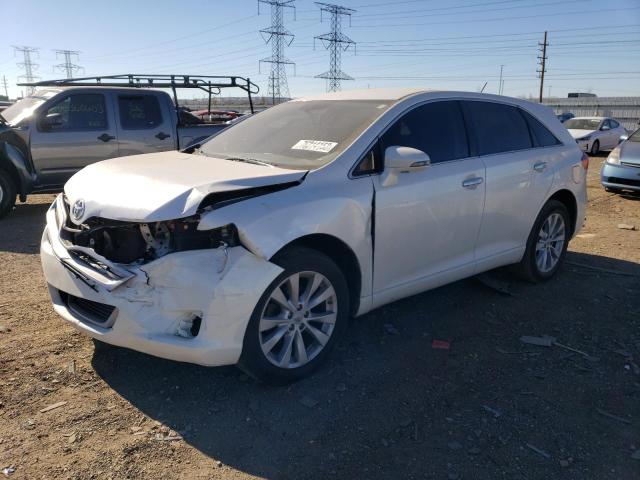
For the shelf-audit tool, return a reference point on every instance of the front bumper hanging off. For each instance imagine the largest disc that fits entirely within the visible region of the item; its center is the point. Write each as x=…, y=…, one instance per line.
x=190, y=306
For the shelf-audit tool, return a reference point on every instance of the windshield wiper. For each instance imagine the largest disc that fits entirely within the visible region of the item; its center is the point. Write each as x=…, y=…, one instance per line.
x=248, y=160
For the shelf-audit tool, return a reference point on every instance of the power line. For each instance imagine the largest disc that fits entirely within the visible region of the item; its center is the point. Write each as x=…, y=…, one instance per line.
x=543, y=59
x=27, y=65
x=278, y=36
x=335, y=42
x=68, y=66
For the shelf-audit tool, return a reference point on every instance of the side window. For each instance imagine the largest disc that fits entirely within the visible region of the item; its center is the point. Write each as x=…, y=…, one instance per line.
x=542, y=137
x=139, y=112
x=370, y=163
x=435, y=128
x=606, y=125
x=79, y=112
x=614, y=124
x=497, y=127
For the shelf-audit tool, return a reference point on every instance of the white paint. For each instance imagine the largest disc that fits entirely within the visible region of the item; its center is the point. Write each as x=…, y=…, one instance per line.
x=163, y=186
x=429, y=230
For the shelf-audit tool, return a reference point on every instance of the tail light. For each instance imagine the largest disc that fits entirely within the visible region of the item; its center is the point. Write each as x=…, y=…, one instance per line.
x=585, y=161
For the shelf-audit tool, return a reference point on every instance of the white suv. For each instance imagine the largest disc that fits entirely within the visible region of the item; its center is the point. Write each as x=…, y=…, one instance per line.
x=257, y=247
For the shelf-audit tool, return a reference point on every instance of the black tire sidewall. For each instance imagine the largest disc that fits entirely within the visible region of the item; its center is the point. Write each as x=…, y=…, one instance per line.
x=552, y=206
x=595, y=151
x=8, y=193
x=252, y=359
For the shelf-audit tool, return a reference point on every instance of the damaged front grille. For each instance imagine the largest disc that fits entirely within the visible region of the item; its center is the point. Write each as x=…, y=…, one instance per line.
x=133, y=242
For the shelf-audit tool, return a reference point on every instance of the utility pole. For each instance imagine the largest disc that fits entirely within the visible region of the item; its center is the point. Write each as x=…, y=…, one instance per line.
x=27, y=64
x=335, y=42
x=68, y=66
x=4, y=84
x=278, y=36
x=500, y=82
x=543, y=48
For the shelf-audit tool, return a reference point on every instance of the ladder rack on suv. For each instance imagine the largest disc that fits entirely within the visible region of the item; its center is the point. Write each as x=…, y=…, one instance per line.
x=211, y=84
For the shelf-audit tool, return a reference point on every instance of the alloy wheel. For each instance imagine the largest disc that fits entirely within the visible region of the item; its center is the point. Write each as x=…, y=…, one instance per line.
x=298, y=319
x=550, y=243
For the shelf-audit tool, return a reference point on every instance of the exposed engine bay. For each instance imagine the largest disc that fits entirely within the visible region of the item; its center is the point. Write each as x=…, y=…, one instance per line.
x=133, y=242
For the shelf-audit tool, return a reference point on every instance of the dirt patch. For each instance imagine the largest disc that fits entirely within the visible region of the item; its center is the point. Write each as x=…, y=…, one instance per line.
x=387, y=405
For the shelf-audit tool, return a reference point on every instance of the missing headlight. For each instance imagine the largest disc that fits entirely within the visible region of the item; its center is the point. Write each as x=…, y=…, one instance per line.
x=125, y=242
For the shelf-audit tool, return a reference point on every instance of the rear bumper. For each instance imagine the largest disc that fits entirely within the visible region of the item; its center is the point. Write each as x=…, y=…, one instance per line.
x=620, y=176
x=153, y=309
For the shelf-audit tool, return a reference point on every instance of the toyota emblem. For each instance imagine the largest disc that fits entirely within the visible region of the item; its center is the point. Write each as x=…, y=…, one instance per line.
x=77, y=211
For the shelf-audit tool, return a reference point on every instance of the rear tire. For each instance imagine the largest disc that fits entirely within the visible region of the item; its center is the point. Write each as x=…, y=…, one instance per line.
x=8, y=193
x=288, y=336
x=547, y=243
x=595, y=148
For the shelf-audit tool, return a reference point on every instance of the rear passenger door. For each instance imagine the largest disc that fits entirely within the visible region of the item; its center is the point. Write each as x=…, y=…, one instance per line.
x=518, y=153
x=144, y=124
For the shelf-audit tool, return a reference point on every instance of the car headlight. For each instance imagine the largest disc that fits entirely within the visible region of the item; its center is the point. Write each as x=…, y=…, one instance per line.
x=584, y=139
x=614, y=156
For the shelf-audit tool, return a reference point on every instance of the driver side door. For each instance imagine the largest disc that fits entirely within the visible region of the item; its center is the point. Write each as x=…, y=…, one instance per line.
x=427, y=224
x=83, y=134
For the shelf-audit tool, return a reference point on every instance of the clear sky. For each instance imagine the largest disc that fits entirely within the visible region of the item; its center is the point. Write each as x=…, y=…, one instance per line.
x=456, y=44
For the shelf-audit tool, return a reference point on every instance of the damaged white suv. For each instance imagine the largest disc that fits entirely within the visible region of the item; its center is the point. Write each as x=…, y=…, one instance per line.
x=256, y=248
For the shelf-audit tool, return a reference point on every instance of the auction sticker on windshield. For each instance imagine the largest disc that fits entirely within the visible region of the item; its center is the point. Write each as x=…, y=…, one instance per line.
x=314, y=146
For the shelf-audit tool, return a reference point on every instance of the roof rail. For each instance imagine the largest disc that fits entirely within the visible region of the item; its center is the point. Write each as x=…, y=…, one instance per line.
x=211, y=84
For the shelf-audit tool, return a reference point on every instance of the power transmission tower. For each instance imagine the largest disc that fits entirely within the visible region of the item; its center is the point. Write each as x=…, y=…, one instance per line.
x=68, y=66
x=335, y=42
x=542, y=61
x=27, y=64
x=278, y=36
x=4, y=84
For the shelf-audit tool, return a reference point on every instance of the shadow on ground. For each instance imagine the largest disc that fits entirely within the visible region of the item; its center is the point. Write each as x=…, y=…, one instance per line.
x=390, y=406
x=21, y=230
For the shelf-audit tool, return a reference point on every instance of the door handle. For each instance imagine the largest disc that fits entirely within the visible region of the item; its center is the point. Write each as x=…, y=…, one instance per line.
x=540, y=166
x=472, y=183
x=162, y=136
x=105, y=137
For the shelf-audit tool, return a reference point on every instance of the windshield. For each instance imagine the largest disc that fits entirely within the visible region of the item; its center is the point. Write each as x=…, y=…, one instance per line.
x=635, y=136
x=25, y=107
x=582, y=124
x=301, y=135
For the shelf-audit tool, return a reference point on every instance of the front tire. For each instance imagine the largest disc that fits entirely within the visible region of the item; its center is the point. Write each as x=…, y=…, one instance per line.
x=595, y=148
x=547, y=243
x=7, y=193
x=298, y=319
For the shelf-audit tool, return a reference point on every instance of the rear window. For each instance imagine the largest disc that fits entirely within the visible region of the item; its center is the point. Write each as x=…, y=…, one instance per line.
x=542, y=137
x=497, y=127
x=139, y=112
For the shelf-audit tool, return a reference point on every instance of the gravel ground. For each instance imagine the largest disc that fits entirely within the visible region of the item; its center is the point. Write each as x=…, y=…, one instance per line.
x=386, y=405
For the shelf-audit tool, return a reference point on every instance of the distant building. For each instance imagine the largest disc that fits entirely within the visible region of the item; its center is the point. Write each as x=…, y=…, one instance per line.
x=624, y=109
x=581, y=95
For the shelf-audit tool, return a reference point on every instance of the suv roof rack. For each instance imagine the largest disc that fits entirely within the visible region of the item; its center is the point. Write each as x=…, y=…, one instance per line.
x=211, y=84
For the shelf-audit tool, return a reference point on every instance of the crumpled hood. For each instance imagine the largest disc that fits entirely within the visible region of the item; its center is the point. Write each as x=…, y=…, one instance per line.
x=162, y=186
x=579, y=133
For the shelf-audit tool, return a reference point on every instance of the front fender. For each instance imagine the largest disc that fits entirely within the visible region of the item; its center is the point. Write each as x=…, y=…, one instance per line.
x=267, y=223
x=15, y=161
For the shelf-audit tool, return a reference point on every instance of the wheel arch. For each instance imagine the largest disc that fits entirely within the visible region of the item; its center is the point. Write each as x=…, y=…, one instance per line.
x=13, y=161
x=341, y=254
x=568, y=199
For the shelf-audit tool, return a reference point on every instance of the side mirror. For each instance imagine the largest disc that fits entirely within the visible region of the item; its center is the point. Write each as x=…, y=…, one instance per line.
x=402, y=160
x=623, y=138
x=52, y=120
